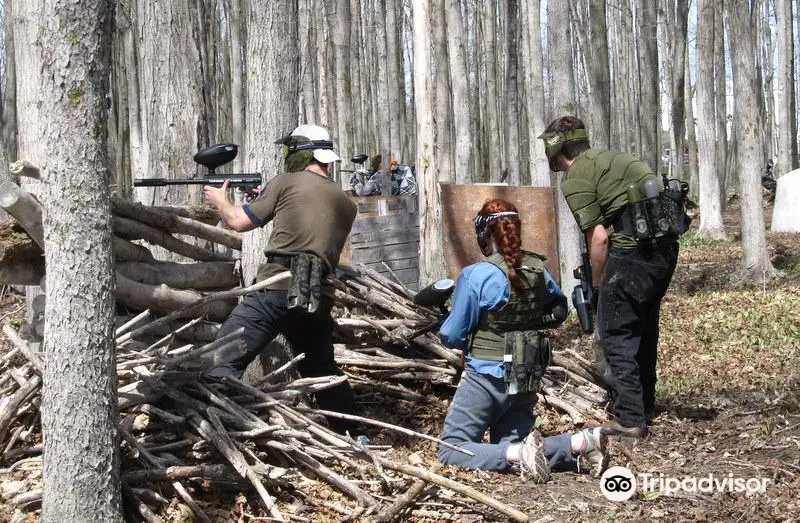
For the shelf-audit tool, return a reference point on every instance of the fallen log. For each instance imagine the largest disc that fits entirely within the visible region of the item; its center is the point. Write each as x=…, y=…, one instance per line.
x=24, y=208
x=133, y=230
x=200, y=276
x=164, y=300
x=176, y=224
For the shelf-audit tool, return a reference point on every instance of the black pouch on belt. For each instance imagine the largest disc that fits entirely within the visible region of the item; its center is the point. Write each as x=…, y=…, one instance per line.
x=318, y=270
x=527, y=356
x=299, y=291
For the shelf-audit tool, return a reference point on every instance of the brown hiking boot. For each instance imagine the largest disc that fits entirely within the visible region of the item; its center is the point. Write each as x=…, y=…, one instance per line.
x=615, y=428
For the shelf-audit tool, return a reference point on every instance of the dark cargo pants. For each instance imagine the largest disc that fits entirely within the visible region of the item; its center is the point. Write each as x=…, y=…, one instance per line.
x=634, y=283
x=264, y=314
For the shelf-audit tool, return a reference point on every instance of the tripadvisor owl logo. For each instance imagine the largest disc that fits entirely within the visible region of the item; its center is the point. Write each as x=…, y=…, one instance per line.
x=618, y=484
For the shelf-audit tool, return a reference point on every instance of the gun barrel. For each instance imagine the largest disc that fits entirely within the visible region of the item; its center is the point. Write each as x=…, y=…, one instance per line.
x=217, y=179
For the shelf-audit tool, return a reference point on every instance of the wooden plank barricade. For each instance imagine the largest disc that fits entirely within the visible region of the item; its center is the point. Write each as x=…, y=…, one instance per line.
x=386, y=234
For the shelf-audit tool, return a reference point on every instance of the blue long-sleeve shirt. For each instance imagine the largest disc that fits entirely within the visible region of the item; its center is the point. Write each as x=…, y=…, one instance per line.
x=481, y=287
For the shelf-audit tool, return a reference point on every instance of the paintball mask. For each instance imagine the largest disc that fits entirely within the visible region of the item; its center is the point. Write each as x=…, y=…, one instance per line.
x=482, y=222
x=554, y=141
x=309, y=138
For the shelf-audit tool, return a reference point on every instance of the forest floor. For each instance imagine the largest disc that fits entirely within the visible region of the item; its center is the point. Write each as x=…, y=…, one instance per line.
x=729, y=387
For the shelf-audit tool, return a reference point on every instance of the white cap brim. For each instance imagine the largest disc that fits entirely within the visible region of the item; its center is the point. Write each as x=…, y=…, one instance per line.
x=326, y=156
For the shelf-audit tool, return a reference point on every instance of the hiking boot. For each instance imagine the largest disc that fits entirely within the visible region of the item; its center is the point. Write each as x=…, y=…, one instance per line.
x=532, y=461
x=615, y=428
x=593, y=457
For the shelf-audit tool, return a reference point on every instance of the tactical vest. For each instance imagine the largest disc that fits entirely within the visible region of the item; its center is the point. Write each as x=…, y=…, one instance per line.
x=523, y=312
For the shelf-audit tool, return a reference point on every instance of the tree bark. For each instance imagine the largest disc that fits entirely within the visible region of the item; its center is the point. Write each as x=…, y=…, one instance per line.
x=443, y=122
x=431, y=260
x=459, y=80
x=649, y=108
x=710, y=198
x=532, y=67
x=510, y=95
x=79, y=414
x=749, y=152
x=563, y=89
x=273, y=57
x=785, y=92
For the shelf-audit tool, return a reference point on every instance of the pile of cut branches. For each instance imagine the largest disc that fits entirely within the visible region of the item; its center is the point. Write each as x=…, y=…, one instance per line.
x=186, y=430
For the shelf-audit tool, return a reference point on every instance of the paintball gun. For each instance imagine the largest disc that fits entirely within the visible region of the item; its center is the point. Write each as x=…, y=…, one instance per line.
x=210, y=157
x=582, y=294
x=434, y=295
x=359, y=160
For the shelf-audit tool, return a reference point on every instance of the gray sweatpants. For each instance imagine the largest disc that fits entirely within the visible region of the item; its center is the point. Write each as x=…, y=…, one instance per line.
x=480, y=404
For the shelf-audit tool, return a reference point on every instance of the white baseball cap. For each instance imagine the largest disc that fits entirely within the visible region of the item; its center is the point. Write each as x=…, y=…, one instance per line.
x=319, y=141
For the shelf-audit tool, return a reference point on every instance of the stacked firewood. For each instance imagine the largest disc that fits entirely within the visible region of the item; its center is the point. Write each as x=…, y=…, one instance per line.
x=187, y=430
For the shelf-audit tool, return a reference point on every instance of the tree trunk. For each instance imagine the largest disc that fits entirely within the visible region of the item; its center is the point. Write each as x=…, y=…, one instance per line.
x=431, y=259
x=563, y=94
x=649, y=109
x=395, y=120
x=169, y=133
x=691, y=139
x=599, y=75
x=273, y=63
x=708, y=171
x=750, y=156
x=443, y=120
x=459, y=80
x=8, y=109
x=677, y=22
x=491, y=93
x=785, y=88
x=532, y=67
x=721, y=101
x=237, y=28
x=511, y=117
x=79, y=408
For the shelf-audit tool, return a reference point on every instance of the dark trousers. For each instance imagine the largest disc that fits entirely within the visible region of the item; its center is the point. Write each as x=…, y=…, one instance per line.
x=265, y=314
x=634, y=283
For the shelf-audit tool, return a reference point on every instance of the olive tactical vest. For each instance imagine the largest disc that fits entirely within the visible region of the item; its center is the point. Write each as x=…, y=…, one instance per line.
x=523, y=312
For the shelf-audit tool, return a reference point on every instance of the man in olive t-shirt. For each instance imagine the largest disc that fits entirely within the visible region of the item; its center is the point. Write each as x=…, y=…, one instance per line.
x=629, y=278
x=310, y=215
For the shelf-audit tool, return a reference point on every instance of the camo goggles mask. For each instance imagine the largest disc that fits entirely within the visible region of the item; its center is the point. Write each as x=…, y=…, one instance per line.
x=482, y=222
x=554, y=142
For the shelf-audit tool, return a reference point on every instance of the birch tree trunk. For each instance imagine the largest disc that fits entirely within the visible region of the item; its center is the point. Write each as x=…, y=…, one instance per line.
x=431, y=238
x=710, y=198
x=459, y=80
x=79, y=414
x=532, y=68
x=563, y=95
x=785, y=93
x=750, y=156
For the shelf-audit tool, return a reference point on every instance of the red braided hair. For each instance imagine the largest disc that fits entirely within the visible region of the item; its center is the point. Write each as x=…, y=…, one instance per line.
x=507, y=234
